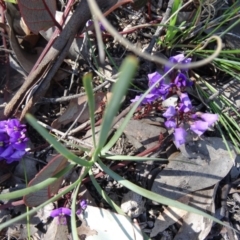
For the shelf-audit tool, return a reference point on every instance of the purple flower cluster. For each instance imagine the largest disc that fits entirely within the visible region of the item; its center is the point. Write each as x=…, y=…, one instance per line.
x=162, y=88
x=62, y=212
x=199, y=122
x=13, y=141
x=182, y=114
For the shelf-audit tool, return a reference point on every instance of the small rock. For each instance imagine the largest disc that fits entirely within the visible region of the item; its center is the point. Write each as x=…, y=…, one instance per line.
x=132, y=204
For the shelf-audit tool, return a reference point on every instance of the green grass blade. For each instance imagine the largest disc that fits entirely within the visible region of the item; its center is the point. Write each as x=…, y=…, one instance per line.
x=24, y=215
x=170, y=32
x=104, y=194
x=127, y=72
x=141, y=159
x=87, y=82
x=73, y=205
x=58, y=146
x=37, y=187
x=133, y=158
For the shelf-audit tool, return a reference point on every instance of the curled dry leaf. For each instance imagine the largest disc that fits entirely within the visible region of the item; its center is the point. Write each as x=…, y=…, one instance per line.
x=75, y=107
x=25, y=59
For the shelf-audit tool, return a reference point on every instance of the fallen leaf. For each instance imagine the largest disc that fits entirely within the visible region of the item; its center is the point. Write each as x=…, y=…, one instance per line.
x=84, y=230
x=75, y=107
x=146, y=134
x=180, y=178
x=56, y=231
x=37, y=15
x=169, y=216
x=196, y=226
x=57, y=164
x=76, y=47
x=108, y=225
x=25, y=59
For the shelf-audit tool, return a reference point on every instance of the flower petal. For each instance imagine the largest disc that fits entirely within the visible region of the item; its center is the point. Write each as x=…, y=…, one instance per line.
x=16, y=156
x=209, y=118
x=66, y=211
x=170, y=112
x=199, y=127
x=56, y=212
x=180, y=80
x=83, y=204
x=170, y=124
x=185, y=105
x=179, y=58
x=153, y=78
x=8, y=152
x=149, y=98
x=180, y=136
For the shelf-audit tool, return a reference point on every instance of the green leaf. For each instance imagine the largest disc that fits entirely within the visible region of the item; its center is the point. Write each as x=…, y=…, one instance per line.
x=120, y=88
x=171, y=32
x=58, y=146
x=87, y=82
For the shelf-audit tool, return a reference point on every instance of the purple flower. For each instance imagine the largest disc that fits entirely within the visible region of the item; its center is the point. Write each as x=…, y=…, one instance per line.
x=209, y=118
x=181, y=80
x=16, y=156
x=178, y=59
x=14, y=125
x=170, y=124
x=61, y=214
x=170, y=112
x=13, y=141
x=10, y=154
x=180, y=136
x=153, y=78
x=199, y=127
x=148, y=99
x=8, y=151
x=185, y=105
x=161, y=89
x=83, y=206
x=19, y=141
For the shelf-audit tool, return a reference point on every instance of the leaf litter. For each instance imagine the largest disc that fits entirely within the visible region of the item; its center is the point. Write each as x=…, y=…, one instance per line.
x=197, y=173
